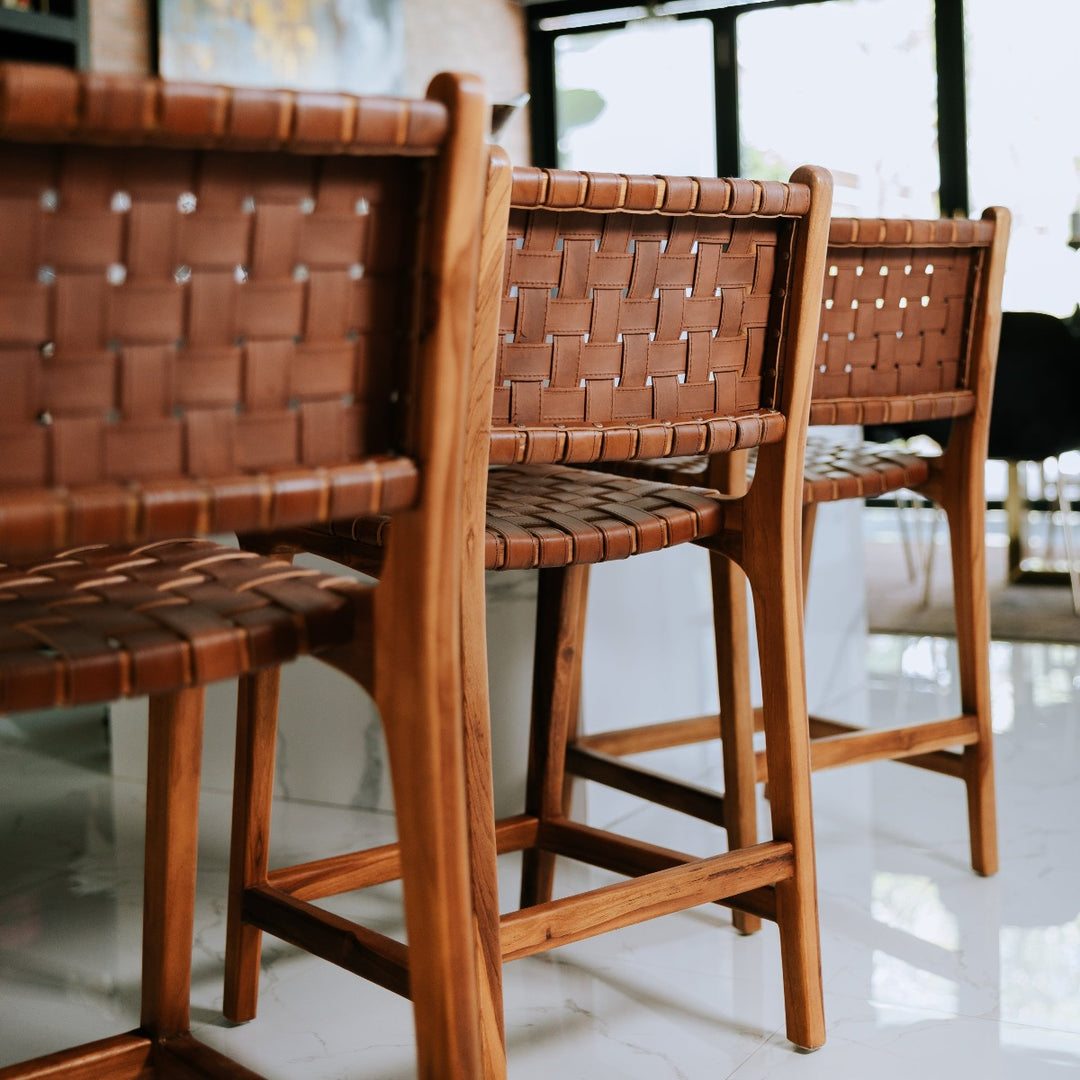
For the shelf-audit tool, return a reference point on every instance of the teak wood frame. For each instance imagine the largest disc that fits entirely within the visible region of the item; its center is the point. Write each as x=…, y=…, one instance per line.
x=277, y=174
x=948, y=372
x=760, y=532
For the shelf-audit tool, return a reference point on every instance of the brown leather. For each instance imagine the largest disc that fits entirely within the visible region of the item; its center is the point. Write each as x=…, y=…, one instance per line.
x=835, y=471
x=230, y=310
x=224, y=325
x=832, y=470
x=894, y=345
x=546, y=516
x=100, y=623
x=635, y=333
x=53, y=104
x=895, y=321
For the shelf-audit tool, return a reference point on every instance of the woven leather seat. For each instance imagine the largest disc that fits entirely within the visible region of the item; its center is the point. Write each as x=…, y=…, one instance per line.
x=95, y=624
x=626, y=317
x=203, y=303
x=831, y=470
x=909, y=331
x=545, y=516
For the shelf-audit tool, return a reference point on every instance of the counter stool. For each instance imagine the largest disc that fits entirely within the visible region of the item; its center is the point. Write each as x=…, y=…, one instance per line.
x=1033, y=419
x=909, y=332
x=627, y=317
x=228, y=310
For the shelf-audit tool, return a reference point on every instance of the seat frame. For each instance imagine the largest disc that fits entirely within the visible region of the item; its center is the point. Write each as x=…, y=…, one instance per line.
x=759, y=532
x=276, y=442
x=950, y=375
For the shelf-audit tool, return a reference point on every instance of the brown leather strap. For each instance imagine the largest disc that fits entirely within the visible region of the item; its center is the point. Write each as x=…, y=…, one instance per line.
x=649, y=329
x=99, y=623
x=548, y=516
x=835, y=471
x=50, y=103
x=194, y=338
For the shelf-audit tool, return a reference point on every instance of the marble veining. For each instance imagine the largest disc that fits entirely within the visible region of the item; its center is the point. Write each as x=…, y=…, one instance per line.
x=929, y=971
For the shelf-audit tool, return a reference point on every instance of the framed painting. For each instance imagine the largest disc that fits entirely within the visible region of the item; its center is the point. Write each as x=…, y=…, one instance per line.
x=356, y=46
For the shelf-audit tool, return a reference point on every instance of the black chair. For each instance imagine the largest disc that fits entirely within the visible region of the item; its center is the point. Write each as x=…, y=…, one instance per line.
x=1034, y=418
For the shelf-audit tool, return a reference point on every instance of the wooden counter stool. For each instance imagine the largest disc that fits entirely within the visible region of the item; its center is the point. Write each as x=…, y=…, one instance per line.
x=909, y=332
x=627, y=317
x=230, y=310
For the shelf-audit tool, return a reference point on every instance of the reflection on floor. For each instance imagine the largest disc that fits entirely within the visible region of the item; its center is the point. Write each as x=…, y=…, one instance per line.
x=929, y=971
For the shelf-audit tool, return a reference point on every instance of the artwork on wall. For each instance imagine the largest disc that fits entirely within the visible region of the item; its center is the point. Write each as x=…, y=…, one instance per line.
x=357, y=46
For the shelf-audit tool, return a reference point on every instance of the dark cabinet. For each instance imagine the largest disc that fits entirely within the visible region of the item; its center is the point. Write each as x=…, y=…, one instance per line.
x=47, y=31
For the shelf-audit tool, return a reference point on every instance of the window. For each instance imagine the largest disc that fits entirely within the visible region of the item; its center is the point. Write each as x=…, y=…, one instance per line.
x=849, y=85
x=918, y=107
x=637, y=99
x=1023, y=85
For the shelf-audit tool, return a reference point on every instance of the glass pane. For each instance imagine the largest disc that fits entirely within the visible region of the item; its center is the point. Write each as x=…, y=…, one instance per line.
x=637, y=100
x=1024, y=142
x=849, y=85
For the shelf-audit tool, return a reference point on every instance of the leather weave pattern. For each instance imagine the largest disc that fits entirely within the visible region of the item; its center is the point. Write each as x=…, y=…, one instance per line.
x=831, y=470
x=644, y=330
x=229, y=325
x=541, y=517
x=99, y=623
x=549, y=516
x=896, y=321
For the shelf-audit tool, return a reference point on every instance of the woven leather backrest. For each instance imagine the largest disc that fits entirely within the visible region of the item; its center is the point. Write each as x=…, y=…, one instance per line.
x=207, y=297
x=641, y=316
x=898, y=312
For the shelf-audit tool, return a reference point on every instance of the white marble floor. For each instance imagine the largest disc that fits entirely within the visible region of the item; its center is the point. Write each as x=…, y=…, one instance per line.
x=929, y=971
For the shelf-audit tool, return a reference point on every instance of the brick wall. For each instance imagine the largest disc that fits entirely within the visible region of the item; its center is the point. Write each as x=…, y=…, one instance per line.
x=120, y=35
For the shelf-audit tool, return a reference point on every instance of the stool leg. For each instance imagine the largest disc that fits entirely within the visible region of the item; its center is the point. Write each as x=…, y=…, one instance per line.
x=418, y=688
x=773, y=561
x=787, y=751
x=967, y=536
x=731, y=627
x=480, y=797
x=253, y=793
x=172, y=825
x=560, y=633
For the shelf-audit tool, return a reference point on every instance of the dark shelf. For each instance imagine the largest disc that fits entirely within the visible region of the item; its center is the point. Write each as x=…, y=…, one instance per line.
x=60, y=27
x=56, y=37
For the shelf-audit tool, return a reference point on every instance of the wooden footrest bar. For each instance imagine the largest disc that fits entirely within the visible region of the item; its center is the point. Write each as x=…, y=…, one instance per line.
x=684, y=885
x=623, y=855
x=375, y=866
x=121, y=1057
x=185, y=1058
x=338, y=874
x=835, y=744
x=133, y=1056
x=639, y=740
x=687, y=798
x=356, y=948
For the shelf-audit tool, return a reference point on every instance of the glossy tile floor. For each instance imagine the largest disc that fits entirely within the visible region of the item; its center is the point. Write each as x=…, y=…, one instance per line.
x=929, y=971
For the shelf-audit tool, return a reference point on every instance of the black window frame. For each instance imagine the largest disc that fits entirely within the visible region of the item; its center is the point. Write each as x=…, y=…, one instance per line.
x=949, y=61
